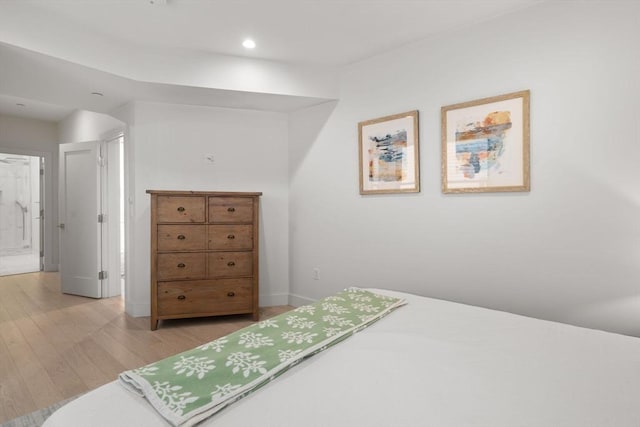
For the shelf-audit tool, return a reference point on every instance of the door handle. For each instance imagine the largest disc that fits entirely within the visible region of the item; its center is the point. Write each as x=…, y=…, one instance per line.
x=61, y=226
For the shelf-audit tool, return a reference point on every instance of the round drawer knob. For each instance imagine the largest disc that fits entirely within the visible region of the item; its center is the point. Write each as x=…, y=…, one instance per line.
x=231, y=209
x=180, y=209
x=182, y=265
x=181, y=237
x=181, y=297
x=231, y=237
x=231, y=294
x=231, y=263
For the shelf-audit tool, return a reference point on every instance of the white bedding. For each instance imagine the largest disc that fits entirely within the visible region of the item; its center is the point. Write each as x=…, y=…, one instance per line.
x=472, y=367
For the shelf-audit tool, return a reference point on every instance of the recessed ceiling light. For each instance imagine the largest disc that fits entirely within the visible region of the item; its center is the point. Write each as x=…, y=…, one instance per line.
x=97, y=93
x=249, y=44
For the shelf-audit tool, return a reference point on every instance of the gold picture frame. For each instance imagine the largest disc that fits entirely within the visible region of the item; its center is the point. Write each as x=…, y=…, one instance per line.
x=485, y=145
x=389, y=154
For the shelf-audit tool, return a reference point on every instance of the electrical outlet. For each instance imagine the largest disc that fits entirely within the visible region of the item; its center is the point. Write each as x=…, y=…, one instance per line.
x=315, y=274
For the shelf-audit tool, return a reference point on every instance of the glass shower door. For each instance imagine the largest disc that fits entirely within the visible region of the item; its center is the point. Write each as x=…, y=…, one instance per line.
x=19, y=214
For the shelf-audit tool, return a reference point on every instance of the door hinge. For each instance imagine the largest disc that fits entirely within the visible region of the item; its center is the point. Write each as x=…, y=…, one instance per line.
x=100, y=218
x=102, y=275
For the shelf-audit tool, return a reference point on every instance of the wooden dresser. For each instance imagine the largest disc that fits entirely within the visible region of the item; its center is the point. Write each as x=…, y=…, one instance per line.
x=204, y=254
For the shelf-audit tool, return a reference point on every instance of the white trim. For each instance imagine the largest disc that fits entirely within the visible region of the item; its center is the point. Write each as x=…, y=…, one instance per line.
x=113, y=227
x=130, y=308
x=113, y=134
x=274, y=299
x=298, y=301
x=138, y=310
x=111, y=210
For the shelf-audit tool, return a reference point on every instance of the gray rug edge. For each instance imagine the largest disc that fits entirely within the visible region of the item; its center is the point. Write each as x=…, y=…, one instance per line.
x=37, y=418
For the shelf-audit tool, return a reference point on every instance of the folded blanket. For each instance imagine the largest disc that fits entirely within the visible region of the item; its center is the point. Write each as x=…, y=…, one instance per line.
x=193, y=385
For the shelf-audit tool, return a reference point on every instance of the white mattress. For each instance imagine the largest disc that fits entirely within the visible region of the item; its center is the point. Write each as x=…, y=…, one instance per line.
x=429, y=363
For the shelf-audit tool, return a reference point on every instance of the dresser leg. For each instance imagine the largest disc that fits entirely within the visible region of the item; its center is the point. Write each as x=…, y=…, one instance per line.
x=154, y=324
x=256, y=315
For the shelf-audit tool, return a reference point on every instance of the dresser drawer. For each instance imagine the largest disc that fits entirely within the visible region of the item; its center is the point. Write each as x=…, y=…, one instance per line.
x=230, y=264
x=230, y=237
x=230, y=209
x=205, y=297
x=182, y=266
x=182, y=237
x=180, y=209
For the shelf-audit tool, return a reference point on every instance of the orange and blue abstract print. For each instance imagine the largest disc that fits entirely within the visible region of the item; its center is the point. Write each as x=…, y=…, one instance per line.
x=386, y=155
x=479, y=145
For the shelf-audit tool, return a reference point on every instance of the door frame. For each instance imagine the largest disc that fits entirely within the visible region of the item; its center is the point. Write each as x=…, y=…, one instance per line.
x=111, y=208
x=48, y=203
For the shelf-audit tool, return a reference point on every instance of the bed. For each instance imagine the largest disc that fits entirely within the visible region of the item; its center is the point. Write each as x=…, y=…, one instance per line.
x=427, y=363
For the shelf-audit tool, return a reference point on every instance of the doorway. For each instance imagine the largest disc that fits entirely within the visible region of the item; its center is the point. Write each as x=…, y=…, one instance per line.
x=113, y=197
x=113, y=206
x=91, y=217
x=21, y=228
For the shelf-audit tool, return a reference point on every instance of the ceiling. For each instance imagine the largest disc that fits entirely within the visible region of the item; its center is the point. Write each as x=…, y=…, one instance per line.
x=66, y=38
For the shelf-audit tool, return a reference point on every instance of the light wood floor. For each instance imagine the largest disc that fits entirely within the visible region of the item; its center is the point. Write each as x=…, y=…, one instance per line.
x=55, y=346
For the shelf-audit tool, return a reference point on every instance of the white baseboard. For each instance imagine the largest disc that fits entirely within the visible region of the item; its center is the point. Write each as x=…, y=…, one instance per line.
x=138, y=310
x=298, y=301
x=274, y=299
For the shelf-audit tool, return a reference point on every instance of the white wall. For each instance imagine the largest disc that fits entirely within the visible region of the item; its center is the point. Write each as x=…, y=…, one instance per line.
x=81, y=126
x=568, y=251
x=168, y=144
x=37, y=138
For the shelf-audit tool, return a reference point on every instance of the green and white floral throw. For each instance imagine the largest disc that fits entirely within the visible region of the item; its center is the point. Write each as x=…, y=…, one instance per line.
x=193, y=385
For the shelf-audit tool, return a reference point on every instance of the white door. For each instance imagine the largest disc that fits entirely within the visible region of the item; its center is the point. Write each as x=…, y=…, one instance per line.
x=80, y=229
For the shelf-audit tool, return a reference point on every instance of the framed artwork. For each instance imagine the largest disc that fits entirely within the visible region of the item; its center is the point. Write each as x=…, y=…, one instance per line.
x=485, y=145
x=389, y=154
